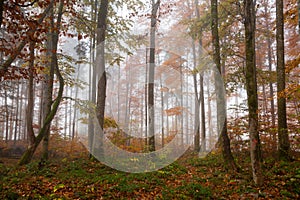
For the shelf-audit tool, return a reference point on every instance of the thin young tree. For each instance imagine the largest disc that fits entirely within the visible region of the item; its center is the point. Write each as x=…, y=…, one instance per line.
x=251, y=87
x=227, y=155
x=30, y=102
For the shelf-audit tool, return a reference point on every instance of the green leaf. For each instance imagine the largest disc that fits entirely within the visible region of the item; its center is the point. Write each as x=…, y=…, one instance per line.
x=57, y=187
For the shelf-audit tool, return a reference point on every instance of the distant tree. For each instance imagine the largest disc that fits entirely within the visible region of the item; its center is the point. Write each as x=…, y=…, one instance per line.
x=284, y=145
x=251, y=87
x=30, y=102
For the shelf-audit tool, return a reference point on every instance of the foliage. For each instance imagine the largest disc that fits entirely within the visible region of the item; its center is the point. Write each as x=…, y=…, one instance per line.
x=188, y=178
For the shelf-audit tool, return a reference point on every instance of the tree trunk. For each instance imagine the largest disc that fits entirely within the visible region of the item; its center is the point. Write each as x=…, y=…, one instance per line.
x=162, y=115
x=221, y=109
x=101, y=90
x=269, y=43
x=284, y=145
x=30, y=102
x=203, y=129
x=151, y=122
x=48, y=83
x=6, y=115
x=251, y=86
x=93, y=78
x=17, y=103
x=197, y=104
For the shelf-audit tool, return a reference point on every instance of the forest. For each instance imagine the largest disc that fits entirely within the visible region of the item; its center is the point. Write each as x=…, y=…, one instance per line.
x=150, y=99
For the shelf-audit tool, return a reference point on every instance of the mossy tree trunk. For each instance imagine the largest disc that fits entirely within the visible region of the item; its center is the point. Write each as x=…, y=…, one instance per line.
x=221, y=110
x=251, y=87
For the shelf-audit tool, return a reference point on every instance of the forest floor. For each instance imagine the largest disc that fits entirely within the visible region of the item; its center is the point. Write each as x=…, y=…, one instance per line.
x=188, y=178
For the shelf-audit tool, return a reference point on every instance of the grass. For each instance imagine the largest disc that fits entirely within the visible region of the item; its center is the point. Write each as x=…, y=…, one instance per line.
x=188, y=178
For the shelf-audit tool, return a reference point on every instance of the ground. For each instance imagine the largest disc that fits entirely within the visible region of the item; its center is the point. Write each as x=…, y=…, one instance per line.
x=188, y=178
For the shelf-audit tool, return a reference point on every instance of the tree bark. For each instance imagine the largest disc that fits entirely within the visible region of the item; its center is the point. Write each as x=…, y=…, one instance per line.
x=197, y=98
x=284, y=145
x=151, y=122
x=221, y=110
x=251, y=86
x=48, y=83
x=100, y=57
x=271, y=96
x=30, y=102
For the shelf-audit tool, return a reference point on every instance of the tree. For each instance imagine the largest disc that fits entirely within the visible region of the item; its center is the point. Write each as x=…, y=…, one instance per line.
x=155, y=7
x=101, y=90
x=27, y=156
x=284, y=145
x=251, y=87
x=30, y=103
x=199, y=99
x=227, y=155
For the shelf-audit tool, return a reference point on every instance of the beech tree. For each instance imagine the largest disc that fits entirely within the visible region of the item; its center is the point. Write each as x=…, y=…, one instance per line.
x=283, y=145
x=151, y=123
x=52, y=105
x=226, y=151
x=251, y=87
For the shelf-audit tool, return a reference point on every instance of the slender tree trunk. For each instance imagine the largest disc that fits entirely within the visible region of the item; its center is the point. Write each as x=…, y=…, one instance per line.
x=251, y=86
x=146, y=101
x=22, y=133
x=284, y=145
x=30, y=102
x=269, y=43
x=162, y=115
x=155, y=7
x=197, y=106
x=6, y=115
x=200, y=99
x=93, y=78
x=17, y=112
x=269, y=57
x=203, y=129
x=181, y=104
x=221, y=102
